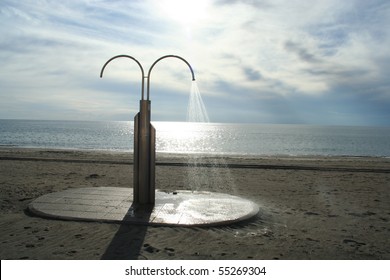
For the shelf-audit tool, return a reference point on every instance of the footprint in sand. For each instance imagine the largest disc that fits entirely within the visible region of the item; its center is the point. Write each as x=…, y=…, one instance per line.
x=150, y=249
x=93, y=176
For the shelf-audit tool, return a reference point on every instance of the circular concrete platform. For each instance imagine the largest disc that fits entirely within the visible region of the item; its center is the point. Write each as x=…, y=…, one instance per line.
x=109, y=204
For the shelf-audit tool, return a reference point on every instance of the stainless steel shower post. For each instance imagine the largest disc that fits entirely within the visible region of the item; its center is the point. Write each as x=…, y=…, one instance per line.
x=144, y=140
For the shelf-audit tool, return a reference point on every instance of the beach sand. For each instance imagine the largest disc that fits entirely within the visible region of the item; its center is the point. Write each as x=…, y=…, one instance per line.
x=310, y=207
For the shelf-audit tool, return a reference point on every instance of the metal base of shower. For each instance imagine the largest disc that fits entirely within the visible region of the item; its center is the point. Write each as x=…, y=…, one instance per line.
x=115, y=205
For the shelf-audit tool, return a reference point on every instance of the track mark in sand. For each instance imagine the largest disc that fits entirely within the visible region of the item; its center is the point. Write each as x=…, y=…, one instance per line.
x=311, y=213
x=364, y=214
x=169, y=251
x=353, y=242
x=71, y=253
x=25, y=198
x=311, y=239
x=94, y=176
x=332, y=216
x=79, y=236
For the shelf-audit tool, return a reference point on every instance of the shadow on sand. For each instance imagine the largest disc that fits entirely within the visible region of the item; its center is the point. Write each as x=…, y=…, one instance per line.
x=129, y=239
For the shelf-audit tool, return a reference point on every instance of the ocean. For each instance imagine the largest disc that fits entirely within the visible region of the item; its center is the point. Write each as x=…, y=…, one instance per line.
x=208, y=138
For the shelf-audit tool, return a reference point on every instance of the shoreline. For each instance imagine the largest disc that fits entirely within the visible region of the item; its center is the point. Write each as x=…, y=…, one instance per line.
x=187, y=154
x=314, y=163
x=69, y=151
x=310, y=207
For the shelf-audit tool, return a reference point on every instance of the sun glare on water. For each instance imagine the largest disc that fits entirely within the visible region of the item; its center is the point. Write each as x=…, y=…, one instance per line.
x=187, y=13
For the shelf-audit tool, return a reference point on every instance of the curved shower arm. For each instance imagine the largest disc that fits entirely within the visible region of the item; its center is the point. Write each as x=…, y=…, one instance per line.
x=151, y=67
x=128, y=56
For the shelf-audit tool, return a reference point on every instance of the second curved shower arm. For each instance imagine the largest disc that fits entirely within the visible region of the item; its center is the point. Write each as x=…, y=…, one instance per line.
x=161, y=58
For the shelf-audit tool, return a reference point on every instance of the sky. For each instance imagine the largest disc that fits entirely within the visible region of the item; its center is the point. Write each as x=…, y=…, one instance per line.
x=321, y=62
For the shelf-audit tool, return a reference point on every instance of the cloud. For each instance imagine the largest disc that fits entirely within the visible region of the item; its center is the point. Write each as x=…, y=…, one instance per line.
x=252, y=3
x=301, y=52
x=252, y=74
x=245, y=53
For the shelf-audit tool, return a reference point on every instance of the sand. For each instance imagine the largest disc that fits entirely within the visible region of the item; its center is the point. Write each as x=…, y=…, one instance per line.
x=310, y=207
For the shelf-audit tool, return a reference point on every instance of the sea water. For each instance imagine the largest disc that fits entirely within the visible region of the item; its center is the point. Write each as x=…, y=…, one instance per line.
x=206, y=138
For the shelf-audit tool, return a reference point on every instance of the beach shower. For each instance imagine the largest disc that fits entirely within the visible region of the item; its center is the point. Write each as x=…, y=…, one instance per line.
x=144, y=138
x=144, y=204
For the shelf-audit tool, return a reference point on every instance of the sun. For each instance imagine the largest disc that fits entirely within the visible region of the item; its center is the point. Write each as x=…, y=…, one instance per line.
x=188, y=13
